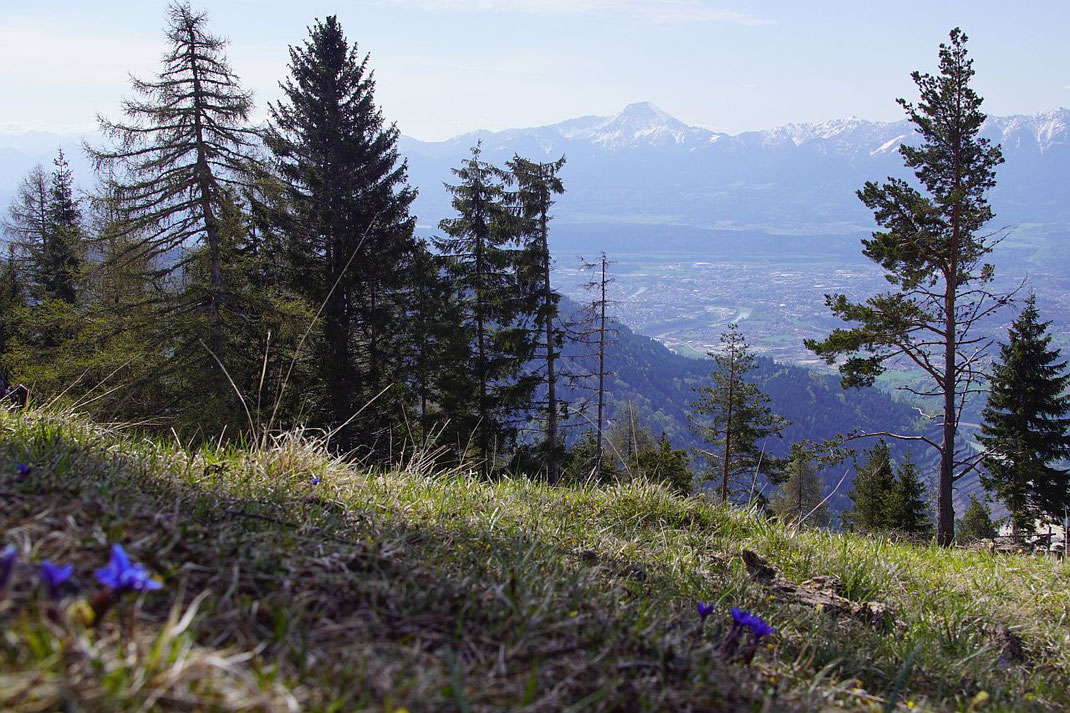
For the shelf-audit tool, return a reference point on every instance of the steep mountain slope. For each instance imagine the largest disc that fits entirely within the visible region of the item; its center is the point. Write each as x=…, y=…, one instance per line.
x=661, y=384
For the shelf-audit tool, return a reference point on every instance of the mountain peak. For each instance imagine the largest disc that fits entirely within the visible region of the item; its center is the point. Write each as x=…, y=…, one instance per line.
x=644, y=110
x=642, y=123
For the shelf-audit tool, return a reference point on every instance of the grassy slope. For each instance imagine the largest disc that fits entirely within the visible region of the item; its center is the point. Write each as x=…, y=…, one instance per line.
x=407, y=590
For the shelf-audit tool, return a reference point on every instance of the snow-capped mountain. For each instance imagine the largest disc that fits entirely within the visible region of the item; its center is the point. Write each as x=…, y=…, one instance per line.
x=643, y=166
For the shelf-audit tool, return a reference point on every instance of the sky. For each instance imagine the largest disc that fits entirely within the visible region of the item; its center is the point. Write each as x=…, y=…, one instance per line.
x=446, y=67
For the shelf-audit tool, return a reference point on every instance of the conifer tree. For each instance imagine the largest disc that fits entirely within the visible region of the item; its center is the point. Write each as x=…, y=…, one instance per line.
x=186, y=139
x=28, y=226
x=734, y=416
x=58, y=261
x=537, y=183
x=12, y=303
x=907, y=510
x=975, y=524
x=800, y=496
x=1026, y=421
x=932, y=251
x=351, y=245
x=873, y=487
x=489, y=386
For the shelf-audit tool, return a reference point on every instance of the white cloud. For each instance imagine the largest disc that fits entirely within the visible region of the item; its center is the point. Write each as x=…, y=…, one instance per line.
x=663, y=11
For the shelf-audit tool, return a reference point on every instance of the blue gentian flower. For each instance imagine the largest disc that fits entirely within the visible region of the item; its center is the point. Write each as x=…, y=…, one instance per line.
x=759, y=627
x=122, y=575
x=8, y=557
x=742, y=618
x=53, y=576
x=314, y=481
x=24, y=469
x=704, y=610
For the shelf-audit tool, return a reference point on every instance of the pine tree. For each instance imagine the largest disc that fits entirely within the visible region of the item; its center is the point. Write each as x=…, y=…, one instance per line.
x=351, y=245
x=800, y=496
x=975, y=524
x=59, y=259
x=932, y=252
x=873, y=487
x=734, y=416
x=1026, y=421
x=907, y=510
x=186, y=139
x=489, y=389
x=537, y=184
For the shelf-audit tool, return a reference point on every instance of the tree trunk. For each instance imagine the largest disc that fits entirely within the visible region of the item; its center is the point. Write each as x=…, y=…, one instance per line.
x=204, y=186
x=551, y=377
x=727, y=438
x=601, y=367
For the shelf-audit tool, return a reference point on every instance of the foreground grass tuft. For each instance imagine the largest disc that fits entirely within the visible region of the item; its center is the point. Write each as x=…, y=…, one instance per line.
x=293, y=581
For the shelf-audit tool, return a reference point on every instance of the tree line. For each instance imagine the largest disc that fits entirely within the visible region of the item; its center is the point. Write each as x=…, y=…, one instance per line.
x=226, y=276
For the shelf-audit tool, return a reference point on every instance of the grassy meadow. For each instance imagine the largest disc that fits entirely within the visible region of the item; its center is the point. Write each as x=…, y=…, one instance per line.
x=296, y=581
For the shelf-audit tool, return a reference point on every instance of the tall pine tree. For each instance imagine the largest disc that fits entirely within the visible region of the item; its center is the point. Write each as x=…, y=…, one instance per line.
x=932, y=252
x=1026, y=421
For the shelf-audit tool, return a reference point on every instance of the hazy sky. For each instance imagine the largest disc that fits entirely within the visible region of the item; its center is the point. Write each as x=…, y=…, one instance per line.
x=444, y=67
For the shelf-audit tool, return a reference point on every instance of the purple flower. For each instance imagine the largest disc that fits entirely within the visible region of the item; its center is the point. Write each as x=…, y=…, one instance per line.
x=122, y=575
x=24, y=469
x=8, y=557
x=704, y=610
x=314, y=481
x=760, y=628
x=742, y=618
x=53, y=576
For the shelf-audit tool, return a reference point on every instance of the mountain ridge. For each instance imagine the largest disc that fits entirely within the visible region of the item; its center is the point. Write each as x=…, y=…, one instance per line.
x=642, y=166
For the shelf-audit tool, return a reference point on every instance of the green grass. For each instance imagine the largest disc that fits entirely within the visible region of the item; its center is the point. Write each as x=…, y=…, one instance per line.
x=418, y=590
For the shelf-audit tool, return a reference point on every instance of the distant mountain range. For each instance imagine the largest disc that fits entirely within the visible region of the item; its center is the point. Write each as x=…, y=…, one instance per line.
x=643, y=167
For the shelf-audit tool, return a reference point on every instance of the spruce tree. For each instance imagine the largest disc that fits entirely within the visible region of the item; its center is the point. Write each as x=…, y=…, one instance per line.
x=800, y=496
x=351, y=246
x=734, y=416
x=1026, y=421
x=932, y=251
x=907, y=510
x=489, y=388
x=537, y=183
x=975, y=524
x=874, y=485
x=59, y=259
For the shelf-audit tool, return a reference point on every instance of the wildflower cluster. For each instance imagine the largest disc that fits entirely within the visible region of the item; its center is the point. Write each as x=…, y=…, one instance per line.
x=118, y=577
x=742, y=622
x=758, y=626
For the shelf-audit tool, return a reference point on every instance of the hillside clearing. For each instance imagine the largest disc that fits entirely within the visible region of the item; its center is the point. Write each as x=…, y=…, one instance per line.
x=293, y=581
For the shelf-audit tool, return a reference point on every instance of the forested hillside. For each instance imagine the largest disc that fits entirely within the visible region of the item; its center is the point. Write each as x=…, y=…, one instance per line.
x=661, y=385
